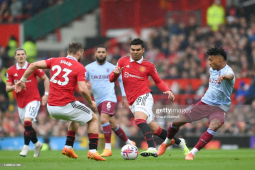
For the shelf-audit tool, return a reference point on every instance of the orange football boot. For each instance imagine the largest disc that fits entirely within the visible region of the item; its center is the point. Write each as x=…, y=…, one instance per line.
x=162, y=148
x=133, y=143
x=189, y=156
x=106, y=153
x=69, y=153
x=95, y=156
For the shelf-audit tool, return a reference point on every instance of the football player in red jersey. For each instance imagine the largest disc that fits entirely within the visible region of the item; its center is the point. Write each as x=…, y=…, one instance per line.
x=66, y=73
x=135, y=73
x=28, y=100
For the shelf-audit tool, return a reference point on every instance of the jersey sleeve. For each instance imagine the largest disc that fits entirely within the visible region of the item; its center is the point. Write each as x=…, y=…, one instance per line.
x=9, y=76
x=86, y=73
x=112, y=76
x=229, y=71
x=81, y=74
x=121, y=86
x=39, y=72
x=154, y=74
x=49, y=62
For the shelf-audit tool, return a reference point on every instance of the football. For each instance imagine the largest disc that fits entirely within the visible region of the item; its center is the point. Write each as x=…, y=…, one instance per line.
x=129, y=152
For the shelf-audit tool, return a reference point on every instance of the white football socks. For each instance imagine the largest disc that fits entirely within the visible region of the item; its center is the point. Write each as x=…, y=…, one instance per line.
x=167, y=141
x=68, y=147
x=93, y=150
x=194, y=151
x=108, y=146
x=128, y=142
x=152, y=148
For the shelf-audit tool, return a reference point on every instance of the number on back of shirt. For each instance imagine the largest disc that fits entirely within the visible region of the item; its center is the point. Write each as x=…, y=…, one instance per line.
x=67, y=71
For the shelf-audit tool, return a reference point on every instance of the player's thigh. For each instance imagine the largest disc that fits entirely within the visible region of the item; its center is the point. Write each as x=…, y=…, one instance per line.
x=22, y=112
x=31, y=110
x=107, y=107
x=74, y=111
x=195, y=112
x=216, y=118
x=144, y=104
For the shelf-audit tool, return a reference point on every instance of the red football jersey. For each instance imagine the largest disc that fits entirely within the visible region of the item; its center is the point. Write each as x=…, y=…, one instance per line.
x=65, y=72
x=31, y=93
x=135, y=77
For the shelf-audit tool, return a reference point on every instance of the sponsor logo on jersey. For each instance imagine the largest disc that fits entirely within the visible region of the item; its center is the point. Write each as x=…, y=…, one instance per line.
x=99, y=76
x=214, y=81
x=15, y=74
x=142, y=68
x=128, y=66
x=127, y=75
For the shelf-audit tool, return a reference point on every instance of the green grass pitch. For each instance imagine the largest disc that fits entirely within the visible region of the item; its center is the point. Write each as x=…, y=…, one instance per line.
x=242, y=159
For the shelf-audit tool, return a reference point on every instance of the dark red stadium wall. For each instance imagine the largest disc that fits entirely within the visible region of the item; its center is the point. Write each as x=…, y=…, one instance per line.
x=139, y=14
x=8, y=30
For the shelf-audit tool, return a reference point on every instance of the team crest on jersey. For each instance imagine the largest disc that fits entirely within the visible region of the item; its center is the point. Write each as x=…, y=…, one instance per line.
x=107, y=69
x=142, y=68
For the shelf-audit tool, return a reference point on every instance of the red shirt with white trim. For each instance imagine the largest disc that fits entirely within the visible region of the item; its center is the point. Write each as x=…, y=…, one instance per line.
x=14, y=74
x=65, y=73
x=135, y=76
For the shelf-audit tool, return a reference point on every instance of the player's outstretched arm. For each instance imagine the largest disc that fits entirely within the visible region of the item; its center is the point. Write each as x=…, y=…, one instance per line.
x=161, y=85
x=115, y=74
x=228, y=76
x=9, y=87
x=46, y=89
x=85, y=93
x=170, y=95
x=32, y=67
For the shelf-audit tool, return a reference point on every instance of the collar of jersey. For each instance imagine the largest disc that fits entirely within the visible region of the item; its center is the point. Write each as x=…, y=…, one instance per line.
x=71, y=57
x=24, y=67
x=139, y=61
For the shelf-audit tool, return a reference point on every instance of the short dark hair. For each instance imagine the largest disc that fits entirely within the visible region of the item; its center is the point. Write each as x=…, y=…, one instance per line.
x=74, y=47
x=217, y=51
x=137, y=41
x=101, y=46
x=20, y=49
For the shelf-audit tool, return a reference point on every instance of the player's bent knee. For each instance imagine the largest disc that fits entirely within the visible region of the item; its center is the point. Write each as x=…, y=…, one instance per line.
x=178, y=124
x=113, y=125
x=104, y=118
x=28, y=119
x=94, y=117
x=215, y=125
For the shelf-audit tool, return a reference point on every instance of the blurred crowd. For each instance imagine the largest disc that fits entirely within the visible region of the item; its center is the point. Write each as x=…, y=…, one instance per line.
x=19, y=10
x=178, y=50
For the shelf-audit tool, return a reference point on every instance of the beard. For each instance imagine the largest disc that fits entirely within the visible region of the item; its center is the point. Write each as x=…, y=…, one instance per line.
x=101, y=61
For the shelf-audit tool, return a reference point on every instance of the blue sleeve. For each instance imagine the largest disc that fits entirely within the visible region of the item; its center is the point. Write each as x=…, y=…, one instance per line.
x=87, y=73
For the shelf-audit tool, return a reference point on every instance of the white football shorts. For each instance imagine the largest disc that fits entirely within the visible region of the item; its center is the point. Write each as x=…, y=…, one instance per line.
x=30, y=110
x=144, y=103
x=74, y=111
